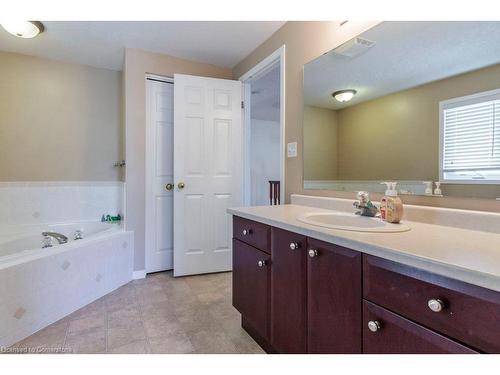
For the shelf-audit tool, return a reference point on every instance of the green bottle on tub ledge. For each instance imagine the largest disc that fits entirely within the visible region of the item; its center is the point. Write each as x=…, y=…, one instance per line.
x=111, y=219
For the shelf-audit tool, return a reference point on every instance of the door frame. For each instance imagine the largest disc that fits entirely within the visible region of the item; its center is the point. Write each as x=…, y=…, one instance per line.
x=149, y=219
x=277, y=57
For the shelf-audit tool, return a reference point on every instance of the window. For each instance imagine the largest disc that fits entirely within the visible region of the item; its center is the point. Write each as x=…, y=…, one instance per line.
x=470, y=139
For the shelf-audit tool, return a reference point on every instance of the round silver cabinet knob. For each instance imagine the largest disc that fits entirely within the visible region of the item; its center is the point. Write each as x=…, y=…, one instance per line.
x=313, y=253
x=261, y=263
x=294, y=245
x=246, y=232
x=435, y=305
x=373, y=325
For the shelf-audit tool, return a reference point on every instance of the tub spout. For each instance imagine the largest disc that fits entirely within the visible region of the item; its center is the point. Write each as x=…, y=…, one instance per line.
x=61, y=238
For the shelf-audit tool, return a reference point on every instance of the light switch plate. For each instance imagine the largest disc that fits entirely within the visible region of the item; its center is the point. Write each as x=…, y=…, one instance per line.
x=291, y=149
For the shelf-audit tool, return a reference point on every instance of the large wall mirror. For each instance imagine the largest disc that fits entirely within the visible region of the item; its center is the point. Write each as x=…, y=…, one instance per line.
x=407, y=102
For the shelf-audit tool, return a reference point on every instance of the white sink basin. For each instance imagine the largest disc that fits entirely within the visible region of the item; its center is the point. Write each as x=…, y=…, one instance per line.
x=352, y=222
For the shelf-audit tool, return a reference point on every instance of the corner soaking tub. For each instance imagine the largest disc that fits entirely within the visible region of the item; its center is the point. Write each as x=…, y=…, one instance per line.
x=39, y=286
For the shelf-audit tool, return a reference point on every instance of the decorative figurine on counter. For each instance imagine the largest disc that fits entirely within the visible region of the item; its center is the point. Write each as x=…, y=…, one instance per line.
x=365, y=205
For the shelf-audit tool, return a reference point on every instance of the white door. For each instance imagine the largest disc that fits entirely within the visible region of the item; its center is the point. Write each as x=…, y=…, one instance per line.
x=159, y=175
x=208, y=172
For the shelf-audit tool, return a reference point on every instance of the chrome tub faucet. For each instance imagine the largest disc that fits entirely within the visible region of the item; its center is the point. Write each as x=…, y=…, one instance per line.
x=61, y=238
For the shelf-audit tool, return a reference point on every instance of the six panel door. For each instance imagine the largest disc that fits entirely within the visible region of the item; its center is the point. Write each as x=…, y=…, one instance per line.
x=333, y=299
x=207, y=171
x=159, y=176
x=288, y=291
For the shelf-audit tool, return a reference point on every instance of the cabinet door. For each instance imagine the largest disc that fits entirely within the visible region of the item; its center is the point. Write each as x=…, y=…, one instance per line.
x=333, y=299
x=393, y=334
x=288, y=292
x=251, y=286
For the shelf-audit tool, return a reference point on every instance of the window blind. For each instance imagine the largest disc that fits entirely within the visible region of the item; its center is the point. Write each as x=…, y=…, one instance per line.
x=471, y=136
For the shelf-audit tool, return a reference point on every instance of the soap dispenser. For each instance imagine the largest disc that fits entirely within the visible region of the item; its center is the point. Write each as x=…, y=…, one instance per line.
x=383, y=201
x=394, y=210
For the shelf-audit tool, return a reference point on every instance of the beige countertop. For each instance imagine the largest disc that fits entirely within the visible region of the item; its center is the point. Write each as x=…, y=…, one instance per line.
x=469, y=255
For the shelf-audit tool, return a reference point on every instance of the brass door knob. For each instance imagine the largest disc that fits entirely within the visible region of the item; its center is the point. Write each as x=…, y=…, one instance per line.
x=169, y=186
x=181, y=185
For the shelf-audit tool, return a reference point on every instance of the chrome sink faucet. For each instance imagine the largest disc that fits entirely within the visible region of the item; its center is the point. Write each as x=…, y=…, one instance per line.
x=365, y=205
x=61, y=238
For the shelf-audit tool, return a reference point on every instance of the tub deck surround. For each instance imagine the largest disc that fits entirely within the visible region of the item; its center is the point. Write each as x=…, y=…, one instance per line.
x=41, y=286
x=469, y=255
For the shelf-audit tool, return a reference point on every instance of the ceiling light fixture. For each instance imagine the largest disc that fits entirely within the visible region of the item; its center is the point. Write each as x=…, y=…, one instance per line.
x=23, y=29
x=344, y=95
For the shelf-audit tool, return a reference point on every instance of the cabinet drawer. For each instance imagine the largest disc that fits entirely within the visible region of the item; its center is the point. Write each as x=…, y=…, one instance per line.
x=469, y=313
x=251, y=286
x=252, y=233
x=396, y=335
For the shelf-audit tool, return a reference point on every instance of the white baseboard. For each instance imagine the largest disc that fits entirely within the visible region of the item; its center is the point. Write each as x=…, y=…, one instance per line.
x=141, y=274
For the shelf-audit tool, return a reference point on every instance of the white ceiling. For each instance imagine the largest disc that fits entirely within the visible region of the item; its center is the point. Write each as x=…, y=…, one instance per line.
x=406, y=54
x=265, y=102
x=101, y=43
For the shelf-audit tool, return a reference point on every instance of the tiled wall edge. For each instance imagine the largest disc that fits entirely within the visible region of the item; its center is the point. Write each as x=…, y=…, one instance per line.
x=4, y=184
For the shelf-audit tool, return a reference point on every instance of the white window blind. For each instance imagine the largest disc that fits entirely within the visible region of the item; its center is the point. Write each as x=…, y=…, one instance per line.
x=470, y=131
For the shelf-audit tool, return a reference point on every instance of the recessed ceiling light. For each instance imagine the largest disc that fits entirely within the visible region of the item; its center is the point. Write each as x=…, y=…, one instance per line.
x=23, y=29
x=344, y=95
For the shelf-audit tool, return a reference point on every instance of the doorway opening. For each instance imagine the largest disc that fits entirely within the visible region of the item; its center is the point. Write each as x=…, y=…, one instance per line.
x=264, y=159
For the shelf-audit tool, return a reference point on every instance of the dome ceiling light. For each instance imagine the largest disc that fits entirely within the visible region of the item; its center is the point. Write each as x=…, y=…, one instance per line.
x=23, y=29
x=344, y=95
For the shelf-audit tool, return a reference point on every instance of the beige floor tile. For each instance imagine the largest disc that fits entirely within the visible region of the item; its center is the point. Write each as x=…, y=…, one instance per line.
x=88, y=342
x=88, y=323
x=177, y=343
x=125, y=317
x=50, y=337
x=162, y=327
x=135, y=347
x=120, y=336
x=212, y=342
x=211, y=297
x=95, y=308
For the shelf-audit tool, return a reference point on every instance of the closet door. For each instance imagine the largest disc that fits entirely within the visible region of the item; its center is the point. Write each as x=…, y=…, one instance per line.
x=159, y=175
x=207, y=172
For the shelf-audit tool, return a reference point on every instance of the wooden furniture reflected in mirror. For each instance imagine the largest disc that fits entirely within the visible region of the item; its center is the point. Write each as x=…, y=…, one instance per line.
x=274, y=193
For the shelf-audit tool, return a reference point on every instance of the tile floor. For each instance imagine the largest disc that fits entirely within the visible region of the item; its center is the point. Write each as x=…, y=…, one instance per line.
x=159, y=314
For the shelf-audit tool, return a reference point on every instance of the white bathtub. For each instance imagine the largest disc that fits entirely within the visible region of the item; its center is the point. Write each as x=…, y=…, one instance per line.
x=22, y=240
x=39, y=286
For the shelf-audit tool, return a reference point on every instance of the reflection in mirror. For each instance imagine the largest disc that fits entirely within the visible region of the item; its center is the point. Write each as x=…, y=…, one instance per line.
x=424, y=105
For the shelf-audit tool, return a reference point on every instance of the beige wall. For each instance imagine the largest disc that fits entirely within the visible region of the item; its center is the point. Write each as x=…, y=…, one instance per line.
x=58, y=121
x=304, y=42
x=320, y=143
x=402, y=128
x=137, y=64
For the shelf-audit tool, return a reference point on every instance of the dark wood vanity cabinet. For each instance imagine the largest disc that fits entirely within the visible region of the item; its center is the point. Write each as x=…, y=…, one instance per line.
x=333, y=298
x=301, y=295
x=251, y=292
x=288, y=292
x=389, y=333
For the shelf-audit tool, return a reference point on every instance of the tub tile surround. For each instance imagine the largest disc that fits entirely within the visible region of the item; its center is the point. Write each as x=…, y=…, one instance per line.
x=455, y=243
x=59, y=201
x=38, y=292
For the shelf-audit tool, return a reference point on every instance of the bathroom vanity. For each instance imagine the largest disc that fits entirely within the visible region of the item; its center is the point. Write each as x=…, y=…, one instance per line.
x=305, y=289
